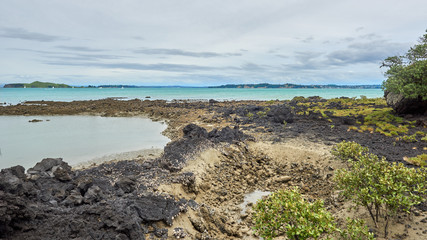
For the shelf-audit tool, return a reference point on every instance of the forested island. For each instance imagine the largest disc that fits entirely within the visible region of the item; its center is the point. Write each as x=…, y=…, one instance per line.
x=291, y=85
x=37, y=84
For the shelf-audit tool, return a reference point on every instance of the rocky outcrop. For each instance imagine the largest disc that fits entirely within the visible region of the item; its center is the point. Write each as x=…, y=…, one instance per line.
x=53, y=202
x=402, y=105
x=196, y=138
x=280, y=114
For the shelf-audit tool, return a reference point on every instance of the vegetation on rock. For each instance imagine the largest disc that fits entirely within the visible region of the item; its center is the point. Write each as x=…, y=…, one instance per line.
x=407, y=78
x=420, y=160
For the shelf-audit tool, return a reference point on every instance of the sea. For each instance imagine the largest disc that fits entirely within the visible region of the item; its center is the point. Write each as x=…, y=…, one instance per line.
x=86, y=139
x=18, y=95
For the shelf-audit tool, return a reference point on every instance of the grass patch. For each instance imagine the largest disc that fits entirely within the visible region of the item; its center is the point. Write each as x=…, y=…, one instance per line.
x=373, y=113
x=420, y=160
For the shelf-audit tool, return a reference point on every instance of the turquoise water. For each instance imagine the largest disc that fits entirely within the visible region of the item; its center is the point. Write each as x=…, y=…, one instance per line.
x=82, y=138
x=76, y=139
x=17, y=95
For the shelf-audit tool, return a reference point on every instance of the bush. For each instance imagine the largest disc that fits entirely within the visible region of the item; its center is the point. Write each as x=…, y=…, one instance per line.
x=356, y=230
x=407, y=74
x=286, y=212
x=420, y=160
x=383, y=188
x=348, y=150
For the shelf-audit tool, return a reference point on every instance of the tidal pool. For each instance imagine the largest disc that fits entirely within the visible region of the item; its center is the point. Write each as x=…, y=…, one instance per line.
x=252, y=197
x=76, y=139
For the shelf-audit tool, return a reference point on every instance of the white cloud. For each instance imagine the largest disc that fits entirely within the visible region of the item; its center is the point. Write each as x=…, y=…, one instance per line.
x=204, y=42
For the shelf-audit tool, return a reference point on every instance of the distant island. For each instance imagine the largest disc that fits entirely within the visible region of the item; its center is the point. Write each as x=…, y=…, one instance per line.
x=290, y=85
x=37, y=84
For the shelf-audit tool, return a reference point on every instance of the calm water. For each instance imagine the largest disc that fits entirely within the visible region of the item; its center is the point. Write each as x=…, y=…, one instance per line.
x=17, y=95
x=79, y=139
x=74, y=138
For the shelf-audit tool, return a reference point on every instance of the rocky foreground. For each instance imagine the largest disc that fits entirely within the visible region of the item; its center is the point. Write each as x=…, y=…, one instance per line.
x=220, y=152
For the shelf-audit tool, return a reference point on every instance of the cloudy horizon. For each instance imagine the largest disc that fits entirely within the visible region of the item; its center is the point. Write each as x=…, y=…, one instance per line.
x=204, y=43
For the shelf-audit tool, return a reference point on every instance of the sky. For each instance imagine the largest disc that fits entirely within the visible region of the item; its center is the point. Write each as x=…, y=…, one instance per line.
x=204, y=42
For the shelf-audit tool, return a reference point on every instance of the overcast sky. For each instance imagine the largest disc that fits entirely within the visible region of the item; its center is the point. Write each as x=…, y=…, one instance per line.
x=204, y=42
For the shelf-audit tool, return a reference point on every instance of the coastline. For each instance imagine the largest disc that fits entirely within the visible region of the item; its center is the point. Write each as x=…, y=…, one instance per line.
x=203, y=174
x=138, y=155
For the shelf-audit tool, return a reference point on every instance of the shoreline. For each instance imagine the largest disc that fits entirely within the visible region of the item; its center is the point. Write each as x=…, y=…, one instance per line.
x=146, y=154
x=220, y=152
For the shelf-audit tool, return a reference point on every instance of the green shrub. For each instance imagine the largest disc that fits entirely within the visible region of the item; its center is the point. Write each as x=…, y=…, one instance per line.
x=250, y=115
x=286, y=212
x=421, y=133
x=284, y=124
x=383, y=188
x=299, y=99
x=261, y=114
x=356, y=230
x=420, y=160
x=406, y=74
x=348, y=150
x=410, y=138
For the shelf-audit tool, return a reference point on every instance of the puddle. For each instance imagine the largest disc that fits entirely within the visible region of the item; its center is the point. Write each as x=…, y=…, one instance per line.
x=252, y=198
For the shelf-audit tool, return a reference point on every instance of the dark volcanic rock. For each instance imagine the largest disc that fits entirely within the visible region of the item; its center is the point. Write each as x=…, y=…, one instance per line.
x=227, y=134
x=176, y=153
x=52, y=167
x=18, y=171
x=12, y=180
x=62, y=174
x=14, y=213
x=63, y=204
x=281, y=113
x=195, y=138
x=127, y=184
x=45, y=165
x=402, y=105
x=348, y=120
x=194, y=131
x=151, y=208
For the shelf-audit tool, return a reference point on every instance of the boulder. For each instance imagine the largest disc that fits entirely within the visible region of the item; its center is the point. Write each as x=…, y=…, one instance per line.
x=45, y=165
x=127, y=184
x=281, y=113
x=194, y=131
x=10, y=183
x=93, y=194
x=227, y=134
x=13, y=180
x=402, y=105
x=75, y=198
x=62, y=174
